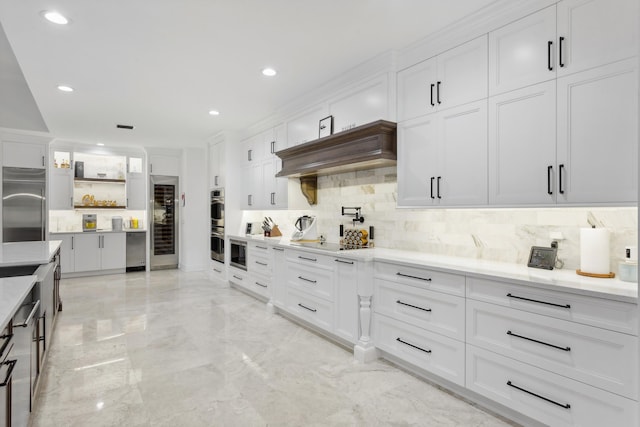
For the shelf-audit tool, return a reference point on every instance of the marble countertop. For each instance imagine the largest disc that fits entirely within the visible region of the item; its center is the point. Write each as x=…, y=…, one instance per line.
x=102, y=230
x=13, y=290
x=28, y=253
x=561, y=280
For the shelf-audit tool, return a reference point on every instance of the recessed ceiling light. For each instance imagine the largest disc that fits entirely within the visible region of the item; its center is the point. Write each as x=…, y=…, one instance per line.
x=100, y=144
x=55, y=17
x=65, y=88
x=214, y=112
x=269, y=72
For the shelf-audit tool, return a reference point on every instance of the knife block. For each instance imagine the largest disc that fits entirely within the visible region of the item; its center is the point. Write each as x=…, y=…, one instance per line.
x=275, y=231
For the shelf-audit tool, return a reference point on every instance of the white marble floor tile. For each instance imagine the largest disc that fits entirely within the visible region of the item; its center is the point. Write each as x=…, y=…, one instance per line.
x=170, y=348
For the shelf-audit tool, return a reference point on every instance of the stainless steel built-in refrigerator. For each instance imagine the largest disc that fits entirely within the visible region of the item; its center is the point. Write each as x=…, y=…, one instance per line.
x=164, y=222
x=23, y=204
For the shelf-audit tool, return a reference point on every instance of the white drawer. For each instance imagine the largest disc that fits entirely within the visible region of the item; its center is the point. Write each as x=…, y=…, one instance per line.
x=421, y=277
x=435, y=353
x=490, y=374
x=309, y=258
x=259, y=284
x=592, y=355
x=435, y=311
x=314, y=310
x=312, y=279
x=603, y=313
x=239, y=277
x=259, y=259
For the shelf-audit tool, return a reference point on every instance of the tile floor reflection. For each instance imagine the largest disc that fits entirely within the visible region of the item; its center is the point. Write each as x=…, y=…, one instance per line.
x=170, y=348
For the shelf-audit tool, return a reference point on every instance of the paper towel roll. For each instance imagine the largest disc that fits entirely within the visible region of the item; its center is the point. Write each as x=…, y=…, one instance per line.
x=594, y=250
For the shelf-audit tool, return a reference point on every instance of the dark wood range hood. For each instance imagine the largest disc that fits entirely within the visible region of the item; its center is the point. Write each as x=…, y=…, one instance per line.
x=364, y=147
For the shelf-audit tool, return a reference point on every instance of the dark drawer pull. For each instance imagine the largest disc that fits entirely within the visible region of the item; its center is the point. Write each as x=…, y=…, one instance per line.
x=307, y=280
x=239, y=278
x=413, y=306
x=307, y=308
x=307, y=259
x=344, y=262
x=217, y=271
x=562, y=405
x=260, y=284
x=539, y=342
x=262, y=263
x=12, y=364
x=539, y=302
x=413, y=277
x=261, y=247
x=411, y=345
x=278, y=249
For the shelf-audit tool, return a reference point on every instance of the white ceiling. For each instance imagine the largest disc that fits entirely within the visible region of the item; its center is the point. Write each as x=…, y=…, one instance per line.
x=161, y=65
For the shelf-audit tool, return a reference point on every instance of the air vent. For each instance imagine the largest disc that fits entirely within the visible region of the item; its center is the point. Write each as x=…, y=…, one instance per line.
x=124, y=127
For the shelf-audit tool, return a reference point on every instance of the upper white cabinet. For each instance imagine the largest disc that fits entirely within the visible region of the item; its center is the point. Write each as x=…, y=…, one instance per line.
x=305, y=127
x=522, y=53
x=61, y=184
x=164, y=164
x=443, y=158
x=136, y=184
x=595, y=32
x=361, y=104
x=453, y=78
x=24, y=154
x=216, y=164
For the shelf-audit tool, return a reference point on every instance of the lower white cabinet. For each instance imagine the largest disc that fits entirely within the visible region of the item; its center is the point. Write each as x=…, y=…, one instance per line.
x=279, y=277
x=317, y=311
x=346, y=300
x=90, y=252
x=544, y=396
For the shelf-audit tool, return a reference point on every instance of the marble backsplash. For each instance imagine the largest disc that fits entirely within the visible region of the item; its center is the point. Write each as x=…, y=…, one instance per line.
x=497, y=234
x=71, y=220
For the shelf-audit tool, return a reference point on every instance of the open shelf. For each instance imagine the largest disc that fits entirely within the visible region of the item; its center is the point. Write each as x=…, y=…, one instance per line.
x=122, y=181
x=98, y=207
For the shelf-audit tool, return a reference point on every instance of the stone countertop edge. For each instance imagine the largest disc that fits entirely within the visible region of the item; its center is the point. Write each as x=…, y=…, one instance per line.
x=106, y=230
x=13, y=291
x=28, y=253
x=558, y=280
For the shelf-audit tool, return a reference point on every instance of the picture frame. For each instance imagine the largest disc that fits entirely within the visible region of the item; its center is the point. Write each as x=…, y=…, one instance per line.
x=325, y=127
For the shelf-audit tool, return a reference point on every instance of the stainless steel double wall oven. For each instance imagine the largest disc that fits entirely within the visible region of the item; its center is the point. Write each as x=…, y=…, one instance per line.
x=217, y=225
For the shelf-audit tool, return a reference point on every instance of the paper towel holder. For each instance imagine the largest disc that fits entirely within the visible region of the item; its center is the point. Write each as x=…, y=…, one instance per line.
x=599, y=276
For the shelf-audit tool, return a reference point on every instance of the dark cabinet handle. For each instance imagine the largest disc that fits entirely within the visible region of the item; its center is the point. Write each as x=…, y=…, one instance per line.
x=438, y=186
x=432, y=104
x=278, y=249
x=560, y=40
x=411, y=345
x=12, y=364
x=562, y=405
x=344, y=262
x=432, y=178
x=549, y=168
x=413, y=277
x=273, y=198
x=307, y=280
x=307, y=259
x=539, y=342
x=413, y=306
x=273, y=147
x=237, y=277
x=249, y=153
x=549, y=44
x=261, y=285
x=264, y=264
x=264, y=248
x=307, y=308
x=539, y=302
x=560, y=168
x=438, y=93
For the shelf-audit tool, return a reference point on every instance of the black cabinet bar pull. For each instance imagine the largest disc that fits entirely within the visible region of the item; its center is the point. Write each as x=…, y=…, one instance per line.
x=344, y=262
x=262, y=263
x=260, y=284
x=562, y=405
x=307, y=280
x=432, y=178
x=549, y=44
x=411, y=345
x=539, y=342
x=539, y=302
x=278, y=249
x=549, y=168
x=560, y=168
x=239, y=278
x=432, y=104
x=413, y=277
x=307, y=259
x=560, y=40
x=262, y=247
x=438, y=93
x=438, y=186
x=307, y=308
x=413, y=306
x=273, y=147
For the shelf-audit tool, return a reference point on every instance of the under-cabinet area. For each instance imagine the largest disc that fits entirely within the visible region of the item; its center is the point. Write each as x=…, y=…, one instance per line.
x=557, y=350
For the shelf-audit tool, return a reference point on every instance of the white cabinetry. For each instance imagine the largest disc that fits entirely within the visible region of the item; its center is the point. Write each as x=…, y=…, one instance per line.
x=442, y=158
x=164, y=164
x=217, y=164
x=61, y=189
x=67, y=255
x=136, y=184
x=455, y=77
x=304, y=128
x=346, y=299
x=92, y=252
x=279, y=277
x=361, y=104
x=24, y=154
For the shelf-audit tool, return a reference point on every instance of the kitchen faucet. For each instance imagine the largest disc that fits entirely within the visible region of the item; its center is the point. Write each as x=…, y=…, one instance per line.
x=357, y=216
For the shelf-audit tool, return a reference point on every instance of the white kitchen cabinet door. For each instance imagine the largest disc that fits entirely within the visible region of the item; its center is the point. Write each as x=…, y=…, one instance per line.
x=346, y=300
x=522, y=146
x=216, y=165
x=274, y=140
x=279, y=278
x=520, y=54
x=417, y=90
x=24, y=154
x=163, y=164
x=61, y=189
x=360, y=105
x=67, y=252
x=253, y=150
x=596, y=32
x=598, y=135
x=113, y=253
x=275, y=193
x=462, y=172
x=253, y=195
x=87, y=247
x=305, y=128
x=462, y=73
x=136, y=184
x=417, y=161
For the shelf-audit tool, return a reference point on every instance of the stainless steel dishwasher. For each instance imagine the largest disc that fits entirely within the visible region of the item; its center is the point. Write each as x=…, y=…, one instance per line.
x=136, y=251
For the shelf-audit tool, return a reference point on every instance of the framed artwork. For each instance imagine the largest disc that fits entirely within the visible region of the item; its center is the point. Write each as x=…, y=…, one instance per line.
x=326, y=127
